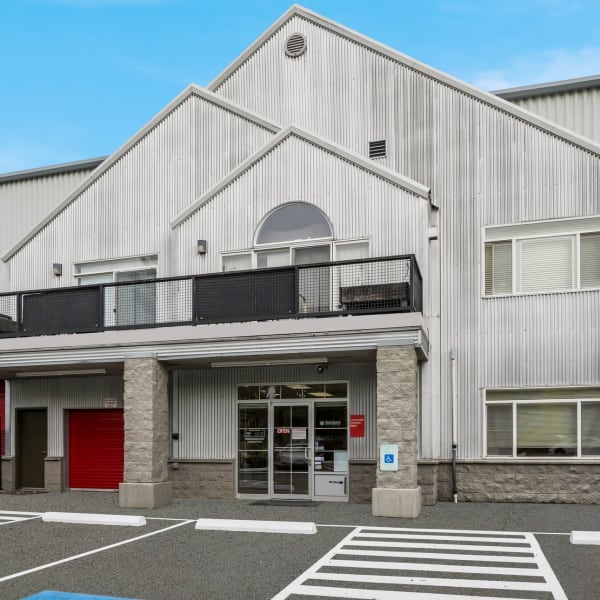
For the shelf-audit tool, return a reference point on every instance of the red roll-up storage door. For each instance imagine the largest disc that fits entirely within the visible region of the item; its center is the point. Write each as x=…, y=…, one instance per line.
x=96, y=447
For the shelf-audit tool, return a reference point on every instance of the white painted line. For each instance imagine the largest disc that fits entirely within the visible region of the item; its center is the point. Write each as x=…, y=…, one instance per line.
x=546, y=569
x=90, y=552
x=93, y=519
x=19, y=512
x=256, y=526
x=297, y=583
x=530, y=574
x=362, y=594
x=585, y=537
x=434, y=581
x=18, y=520
x=408, y=544
x=439, y=568
x=166, y=519
x=365, y=528
x=444, y=538
x=433, y=555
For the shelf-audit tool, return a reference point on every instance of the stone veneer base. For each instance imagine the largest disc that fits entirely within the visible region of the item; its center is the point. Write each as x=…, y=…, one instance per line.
x=404, y=504
x=145, y=495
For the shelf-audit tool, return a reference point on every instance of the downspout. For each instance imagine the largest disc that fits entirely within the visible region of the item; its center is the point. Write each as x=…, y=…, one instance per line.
x=454, y=427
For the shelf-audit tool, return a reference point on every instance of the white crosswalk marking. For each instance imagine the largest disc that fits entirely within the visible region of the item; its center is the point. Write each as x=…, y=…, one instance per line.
x=12, y=516
x=474, y=563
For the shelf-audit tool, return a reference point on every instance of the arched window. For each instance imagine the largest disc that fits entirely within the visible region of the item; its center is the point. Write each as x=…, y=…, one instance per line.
x=293, y=222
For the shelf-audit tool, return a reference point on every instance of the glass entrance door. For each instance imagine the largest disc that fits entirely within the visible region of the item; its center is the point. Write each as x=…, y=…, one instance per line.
x=291, y=458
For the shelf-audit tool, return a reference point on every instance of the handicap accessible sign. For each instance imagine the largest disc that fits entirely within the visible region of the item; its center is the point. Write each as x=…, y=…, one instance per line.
x=388, y=457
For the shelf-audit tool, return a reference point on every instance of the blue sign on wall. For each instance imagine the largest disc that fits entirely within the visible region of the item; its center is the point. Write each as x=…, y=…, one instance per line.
x=388, y=457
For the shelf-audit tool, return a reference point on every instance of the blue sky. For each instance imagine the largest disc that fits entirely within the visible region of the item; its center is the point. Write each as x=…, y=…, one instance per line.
x=79, y=77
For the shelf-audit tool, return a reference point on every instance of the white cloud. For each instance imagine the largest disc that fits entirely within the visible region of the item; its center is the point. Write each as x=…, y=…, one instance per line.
x=552, y=65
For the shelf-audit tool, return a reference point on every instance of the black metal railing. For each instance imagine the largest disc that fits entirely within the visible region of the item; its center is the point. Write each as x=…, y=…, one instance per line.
x=390, y=284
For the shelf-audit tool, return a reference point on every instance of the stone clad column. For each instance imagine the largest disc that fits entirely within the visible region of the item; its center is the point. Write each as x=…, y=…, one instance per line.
x=397, y=493
x=146, y=403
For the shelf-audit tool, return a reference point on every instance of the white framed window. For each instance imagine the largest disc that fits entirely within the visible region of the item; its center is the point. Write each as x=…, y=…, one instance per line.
x=540, y=257
x=561, y=423
x=237, y=262
x=128, y=304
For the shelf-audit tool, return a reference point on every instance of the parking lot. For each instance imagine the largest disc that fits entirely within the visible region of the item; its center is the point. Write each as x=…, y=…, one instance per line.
x=169, y=558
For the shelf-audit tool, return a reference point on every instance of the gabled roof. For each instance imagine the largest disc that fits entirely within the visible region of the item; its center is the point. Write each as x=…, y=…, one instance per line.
x=70, y=167
x=191, y=90
x=487, y=97
x=552, y=87
x=360, y=161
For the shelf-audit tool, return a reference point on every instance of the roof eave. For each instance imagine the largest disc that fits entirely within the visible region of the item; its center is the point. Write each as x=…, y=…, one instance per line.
x=549, y=88
x=69, y=167
x=190, y=90
x=487, y=97
x=392, y=176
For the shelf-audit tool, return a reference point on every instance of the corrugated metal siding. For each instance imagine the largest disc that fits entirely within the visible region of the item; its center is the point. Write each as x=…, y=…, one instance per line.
x=24, y=203
x=358, y=203
x=484, y=166
x=578, y=110
x=204, y=406
x=58, y=394
x=2, y=417
x=127, y=210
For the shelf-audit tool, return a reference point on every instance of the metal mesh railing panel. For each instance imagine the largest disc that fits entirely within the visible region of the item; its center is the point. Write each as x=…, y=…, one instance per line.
x=139, y=304
x=265, y=294
x=8, y=315
x=356, y=287
x=67, y=310
x=348, y=287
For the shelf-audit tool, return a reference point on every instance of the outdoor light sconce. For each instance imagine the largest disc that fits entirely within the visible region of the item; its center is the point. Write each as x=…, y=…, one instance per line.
x=201, y=246
x=57, y=269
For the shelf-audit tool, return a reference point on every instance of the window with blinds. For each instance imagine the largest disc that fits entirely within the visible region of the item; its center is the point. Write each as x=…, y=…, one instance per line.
x=523, y=425
x=542, y=264
x=589, y=262
x=545, y=264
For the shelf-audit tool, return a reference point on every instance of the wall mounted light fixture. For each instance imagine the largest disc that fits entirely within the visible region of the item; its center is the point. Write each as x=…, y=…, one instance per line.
x=201, y=246
x=57, y=269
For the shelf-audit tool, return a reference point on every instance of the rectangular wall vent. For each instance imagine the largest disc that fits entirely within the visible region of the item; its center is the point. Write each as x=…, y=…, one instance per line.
x=377, y=149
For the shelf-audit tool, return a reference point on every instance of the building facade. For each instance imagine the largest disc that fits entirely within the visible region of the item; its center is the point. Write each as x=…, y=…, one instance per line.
x=324, y=277
x=572, y=103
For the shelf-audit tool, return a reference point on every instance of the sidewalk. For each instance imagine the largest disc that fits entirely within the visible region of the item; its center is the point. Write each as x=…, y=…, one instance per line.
x=558, y=518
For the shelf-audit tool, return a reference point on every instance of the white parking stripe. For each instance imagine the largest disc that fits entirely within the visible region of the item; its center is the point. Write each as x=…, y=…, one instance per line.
x=354, y=566
x=436, y=568
x=444, y=538
x=430, y=555
x=408, y=544
x=90, y=552
x=12, y=516
x=359, y=594
x=19, y=512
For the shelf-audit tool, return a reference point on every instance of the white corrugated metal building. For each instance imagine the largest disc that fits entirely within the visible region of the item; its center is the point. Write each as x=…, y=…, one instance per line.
x=316, y=279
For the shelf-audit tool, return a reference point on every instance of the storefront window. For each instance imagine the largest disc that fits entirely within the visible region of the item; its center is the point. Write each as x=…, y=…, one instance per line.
x=557, y=423
x=331, y=436
x=253, y=449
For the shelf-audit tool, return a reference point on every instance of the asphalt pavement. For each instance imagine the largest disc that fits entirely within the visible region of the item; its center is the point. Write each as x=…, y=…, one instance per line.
x=169, y=559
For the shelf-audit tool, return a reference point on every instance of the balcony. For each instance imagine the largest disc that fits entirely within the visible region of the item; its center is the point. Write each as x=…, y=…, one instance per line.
x=369, y=286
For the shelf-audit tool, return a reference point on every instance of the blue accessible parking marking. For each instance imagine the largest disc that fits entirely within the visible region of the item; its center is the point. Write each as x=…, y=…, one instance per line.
x=51, y=595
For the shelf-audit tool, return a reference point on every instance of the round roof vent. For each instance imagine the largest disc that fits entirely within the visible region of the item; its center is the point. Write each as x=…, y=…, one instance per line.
x=295, y=45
